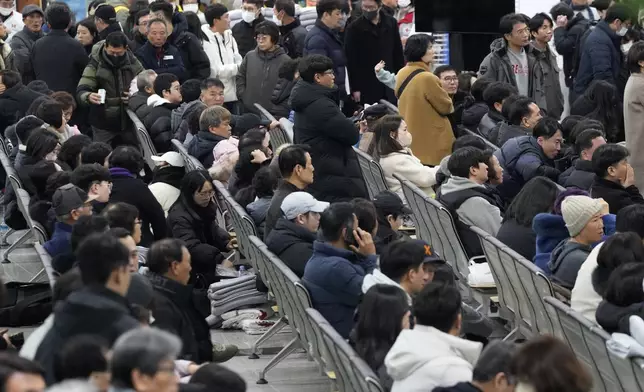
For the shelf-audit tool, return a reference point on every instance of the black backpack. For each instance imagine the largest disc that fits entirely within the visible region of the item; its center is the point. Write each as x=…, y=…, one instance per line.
x=25, y=304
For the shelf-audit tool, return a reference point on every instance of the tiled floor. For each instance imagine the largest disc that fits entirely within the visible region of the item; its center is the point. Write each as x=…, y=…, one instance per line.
x=295, y=373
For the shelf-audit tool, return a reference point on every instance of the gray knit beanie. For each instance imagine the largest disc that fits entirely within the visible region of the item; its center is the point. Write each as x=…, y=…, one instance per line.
x=577, y=211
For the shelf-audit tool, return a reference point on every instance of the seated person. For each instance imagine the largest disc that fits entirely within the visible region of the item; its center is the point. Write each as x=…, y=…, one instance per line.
x=526, y=157
x=615, y=178
x=476, y=108
x=40, y=207
x=296, y=167
x=463, y=141
x=288, y=76
x=191, y=91
x=94, y=179
x=214, y=125
x=623, y=298
x=166, y=98
x=370, y=117
x=254, y=151
x=97, y=152
x=213, y=377
x=85, y=358
x=23, y=130
x=580, y=174
x=408, y=264
x=126, y=216
x=523, y=115
x=551, y=230
x=98, y=308
x=583, y=217
x=492, y=370
x=389, y=212
x=51, y=112
x=70, y=203
x=70, y=151
x=443, y=359
x=393, y=141
x=174, y=307
x=193, y=220
x=292, y=238
x=339, y=263
x=262, y=190
x=471, y=203
x=86, y=225
x=166, y=179
x=138, y=102
x=126, y=162
x=494, y=96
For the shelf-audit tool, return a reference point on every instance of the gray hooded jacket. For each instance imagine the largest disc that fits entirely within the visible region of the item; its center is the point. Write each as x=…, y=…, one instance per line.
x=476, y=210
x=565, y=261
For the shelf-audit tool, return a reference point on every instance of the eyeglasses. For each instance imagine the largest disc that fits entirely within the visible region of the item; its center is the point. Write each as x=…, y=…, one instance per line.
x=524, y=31
x=451, y=79
x=262, y=37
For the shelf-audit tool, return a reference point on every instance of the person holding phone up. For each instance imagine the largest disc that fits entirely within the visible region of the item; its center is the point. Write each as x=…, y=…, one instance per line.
x=340, y=261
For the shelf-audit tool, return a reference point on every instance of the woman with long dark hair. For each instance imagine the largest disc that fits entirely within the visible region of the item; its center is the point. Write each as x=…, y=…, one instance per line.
x=383, y=313
x=253, y=153
x=537, y=196
x=193, y=219
x=393, y=141
x=601, y=102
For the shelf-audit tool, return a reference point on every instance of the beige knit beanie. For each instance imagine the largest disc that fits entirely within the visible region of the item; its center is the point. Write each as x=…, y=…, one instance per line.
x=577, y=211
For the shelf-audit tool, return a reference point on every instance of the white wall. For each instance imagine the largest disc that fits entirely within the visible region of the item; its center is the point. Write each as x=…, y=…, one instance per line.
x=531, y=7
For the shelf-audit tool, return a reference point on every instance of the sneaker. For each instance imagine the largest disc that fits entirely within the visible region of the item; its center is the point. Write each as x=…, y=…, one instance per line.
x=223, y=352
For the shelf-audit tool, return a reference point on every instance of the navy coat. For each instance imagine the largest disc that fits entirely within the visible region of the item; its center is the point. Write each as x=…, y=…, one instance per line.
x=322, y=40
x=601, y=58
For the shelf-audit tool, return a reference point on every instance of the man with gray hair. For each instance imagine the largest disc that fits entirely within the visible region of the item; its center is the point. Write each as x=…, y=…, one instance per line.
x=491, y=373
x=143, y=359
x=214, y=126
x=138, y=102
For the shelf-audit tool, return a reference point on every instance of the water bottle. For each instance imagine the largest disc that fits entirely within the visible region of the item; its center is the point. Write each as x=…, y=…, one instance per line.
x=242, y=270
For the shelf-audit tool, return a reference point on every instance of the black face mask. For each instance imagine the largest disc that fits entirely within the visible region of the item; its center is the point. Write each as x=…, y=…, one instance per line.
x=370, y=15
x=117, y=61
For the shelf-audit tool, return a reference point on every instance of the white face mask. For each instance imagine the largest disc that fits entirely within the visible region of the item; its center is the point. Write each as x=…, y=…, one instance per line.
x=248, y=16
x=626, y=47
x=276, y=19
x=191, y=8
x=6, y=11
x=404, y=139
x=622, y=32
x=404, y=3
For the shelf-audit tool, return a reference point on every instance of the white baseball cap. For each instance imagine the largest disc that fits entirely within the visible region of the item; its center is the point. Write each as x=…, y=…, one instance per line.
x=301, y=203
x=172, y=158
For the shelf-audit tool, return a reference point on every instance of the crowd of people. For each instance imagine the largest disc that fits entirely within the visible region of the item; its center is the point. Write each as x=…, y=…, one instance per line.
x=545, y=162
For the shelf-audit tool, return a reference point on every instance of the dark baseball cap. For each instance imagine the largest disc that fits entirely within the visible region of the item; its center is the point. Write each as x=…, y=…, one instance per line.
x=389, y=203
x=31, y=9
x=376, y=111
x=105, y=12
x=69, y=197
x=402, y=255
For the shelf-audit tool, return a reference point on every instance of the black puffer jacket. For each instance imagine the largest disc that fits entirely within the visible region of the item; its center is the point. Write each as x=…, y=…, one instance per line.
x=197, y=228
x=158, y=124
x=280, y=98
x=14, y=102
x=244, y=35
x=138, y=103
x=195, y=60
x=614, y=318
x=580, y=175
x=473, y=114
x=175, y=311
x=292, y=243
x=319, y=122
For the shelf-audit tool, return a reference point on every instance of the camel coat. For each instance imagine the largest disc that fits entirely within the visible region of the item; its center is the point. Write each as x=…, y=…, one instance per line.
x=424, y=105
x=634, y=125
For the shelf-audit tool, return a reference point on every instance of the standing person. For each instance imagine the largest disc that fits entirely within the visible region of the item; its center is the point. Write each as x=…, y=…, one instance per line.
x=323, y=39
x=634, y=110
x=87, y=34
x=158, y=54
x=222, y=51
x=548, y=94
x=10, y=18
x=111, y=68
x=258, y=74
x=23, y=41
x=511, y=60
x=192, y=53
x=292, y=33
x=140, y=34
x=568, y=32
x=368, y=40
x=71, y=58
x=601, y=55
x=105, y=20
x=423, y=103
x=331, y=136
x=244, y=31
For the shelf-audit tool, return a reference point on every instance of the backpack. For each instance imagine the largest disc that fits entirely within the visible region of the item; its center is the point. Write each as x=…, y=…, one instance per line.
x=26, y=304
x=579, y=45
